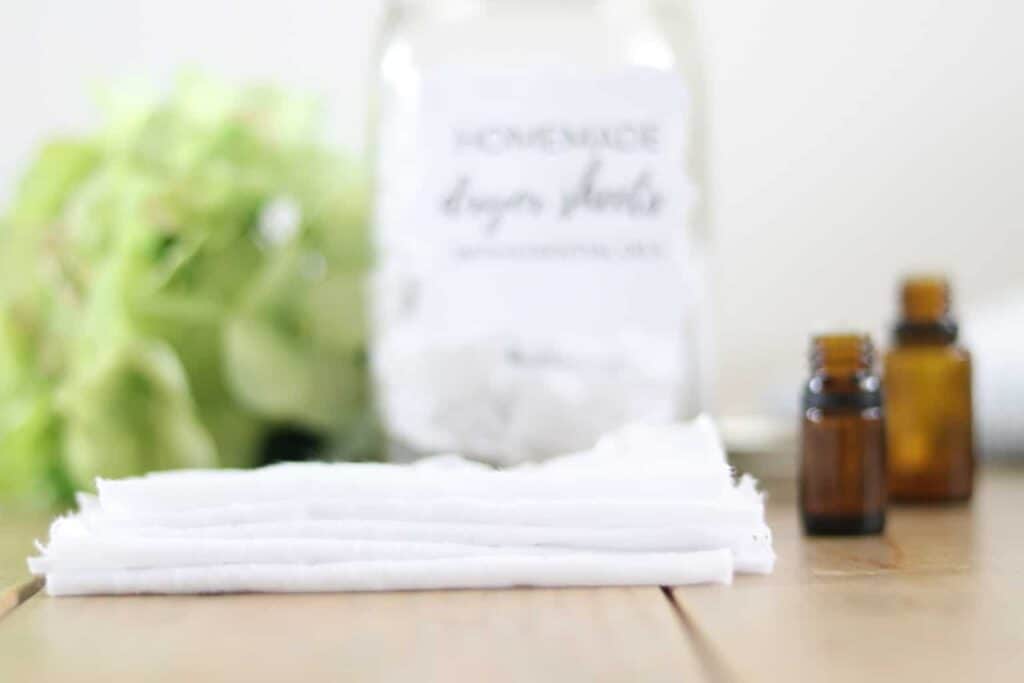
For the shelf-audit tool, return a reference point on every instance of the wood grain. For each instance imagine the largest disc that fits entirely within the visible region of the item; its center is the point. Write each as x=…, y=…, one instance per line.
x=940, y=597
x=18, y=530
x=18, y=593
x=518, y=635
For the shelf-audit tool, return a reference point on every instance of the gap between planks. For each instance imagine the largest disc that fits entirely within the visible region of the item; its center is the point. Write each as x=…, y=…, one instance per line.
x=18, y=594
x=712, y=662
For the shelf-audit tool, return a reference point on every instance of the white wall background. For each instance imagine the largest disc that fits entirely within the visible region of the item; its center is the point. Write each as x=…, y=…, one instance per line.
x=853, y=140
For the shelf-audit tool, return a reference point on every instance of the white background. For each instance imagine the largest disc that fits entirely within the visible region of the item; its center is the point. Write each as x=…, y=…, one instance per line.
x=853, y=140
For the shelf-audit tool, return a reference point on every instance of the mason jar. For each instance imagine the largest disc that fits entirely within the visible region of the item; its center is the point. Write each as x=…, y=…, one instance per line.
x=539, y=223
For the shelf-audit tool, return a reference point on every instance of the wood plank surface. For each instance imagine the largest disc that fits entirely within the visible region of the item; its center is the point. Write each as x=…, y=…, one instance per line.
x=939, y=597
x=516, y=635
x=18, y=530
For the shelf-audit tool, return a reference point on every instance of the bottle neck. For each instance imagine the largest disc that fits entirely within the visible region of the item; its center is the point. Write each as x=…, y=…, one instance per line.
x=933, y=333
x=841, y=355
x=842, y=373
x=925, y=318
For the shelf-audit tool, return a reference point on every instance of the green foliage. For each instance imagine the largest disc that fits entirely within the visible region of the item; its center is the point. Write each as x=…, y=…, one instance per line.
x=176, y=285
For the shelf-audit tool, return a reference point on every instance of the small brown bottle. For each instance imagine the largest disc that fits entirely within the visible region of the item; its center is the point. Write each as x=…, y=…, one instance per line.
x=928, y=400
x=842, y=469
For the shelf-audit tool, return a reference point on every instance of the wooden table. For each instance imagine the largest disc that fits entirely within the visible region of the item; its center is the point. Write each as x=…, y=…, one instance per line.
x=939, y=598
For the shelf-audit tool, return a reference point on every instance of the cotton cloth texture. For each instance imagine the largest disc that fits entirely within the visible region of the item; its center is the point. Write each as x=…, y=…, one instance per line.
x=650, y=504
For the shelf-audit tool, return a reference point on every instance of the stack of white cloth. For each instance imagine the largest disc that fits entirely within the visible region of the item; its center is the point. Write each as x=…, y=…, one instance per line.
x=648, y=505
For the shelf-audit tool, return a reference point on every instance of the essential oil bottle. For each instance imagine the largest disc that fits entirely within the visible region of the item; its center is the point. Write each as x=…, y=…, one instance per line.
x=842, y=469
x=928, y=392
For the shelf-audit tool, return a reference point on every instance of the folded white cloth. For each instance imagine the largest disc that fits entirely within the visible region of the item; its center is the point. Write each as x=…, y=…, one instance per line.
x=648, y=505
x=680, y=463
x=598, y=513
x=361, y=482
x=669, y=536
x=73, y=546
x=582, y=569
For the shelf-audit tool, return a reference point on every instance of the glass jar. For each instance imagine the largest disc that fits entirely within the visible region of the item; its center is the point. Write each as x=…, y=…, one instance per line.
x=539, y=223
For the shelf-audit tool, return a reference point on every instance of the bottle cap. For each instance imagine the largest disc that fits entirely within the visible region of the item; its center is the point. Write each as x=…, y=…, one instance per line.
x=926, y=311
x=842, y=352
x=925, y=298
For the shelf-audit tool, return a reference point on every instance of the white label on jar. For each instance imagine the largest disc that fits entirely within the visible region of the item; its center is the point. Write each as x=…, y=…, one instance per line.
x=543, y=244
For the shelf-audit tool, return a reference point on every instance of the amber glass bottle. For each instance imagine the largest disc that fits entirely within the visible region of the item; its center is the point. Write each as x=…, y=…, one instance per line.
x=842, y=468
x=928, y=391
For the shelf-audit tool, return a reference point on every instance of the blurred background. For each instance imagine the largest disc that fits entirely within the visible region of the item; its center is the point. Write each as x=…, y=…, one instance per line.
x=851, y=143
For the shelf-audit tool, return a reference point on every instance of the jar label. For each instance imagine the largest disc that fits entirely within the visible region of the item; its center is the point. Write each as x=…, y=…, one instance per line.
x=543, y=241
